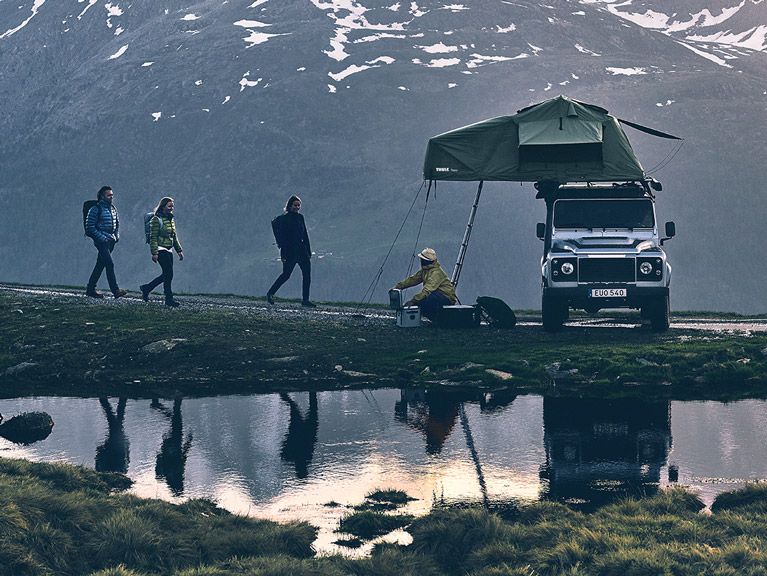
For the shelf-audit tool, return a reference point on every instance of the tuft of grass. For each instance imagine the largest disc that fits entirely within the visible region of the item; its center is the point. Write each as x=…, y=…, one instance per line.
x=119, y=570
x=368, y=524
x=752, y=497
x=130, y=538
x=389, y=495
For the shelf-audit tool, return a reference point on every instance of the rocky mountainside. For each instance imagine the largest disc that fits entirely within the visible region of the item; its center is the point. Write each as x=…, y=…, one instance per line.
x=231, y=106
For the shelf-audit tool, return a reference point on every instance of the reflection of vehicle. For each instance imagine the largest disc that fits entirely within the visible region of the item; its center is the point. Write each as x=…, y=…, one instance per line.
x=602, y=249
x=600, y=450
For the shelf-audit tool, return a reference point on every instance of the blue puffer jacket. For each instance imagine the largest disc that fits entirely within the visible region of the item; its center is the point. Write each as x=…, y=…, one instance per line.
x=102, y=223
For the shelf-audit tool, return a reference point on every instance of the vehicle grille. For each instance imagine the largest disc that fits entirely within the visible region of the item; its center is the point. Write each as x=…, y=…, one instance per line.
x=606, y=270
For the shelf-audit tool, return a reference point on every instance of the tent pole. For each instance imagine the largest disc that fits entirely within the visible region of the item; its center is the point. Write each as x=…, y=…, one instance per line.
x=466, y=236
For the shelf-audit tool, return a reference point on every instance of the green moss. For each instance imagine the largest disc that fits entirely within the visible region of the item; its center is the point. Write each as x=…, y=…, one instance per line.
x=368, y=524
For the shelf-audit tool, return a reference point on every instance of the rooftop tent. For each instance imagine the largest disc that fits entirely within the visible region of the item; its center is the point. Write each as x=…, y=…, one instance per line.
x=560, y=139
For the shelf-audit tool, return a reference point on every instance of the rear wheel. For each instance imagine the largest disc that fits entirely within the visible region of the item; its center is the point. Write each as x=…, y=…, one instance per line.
x=554, y=311
x=660, y=312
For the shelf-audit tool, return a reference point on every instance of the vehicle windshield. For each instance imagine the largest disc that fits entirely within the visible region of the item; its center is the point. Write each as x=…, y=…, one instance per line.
x=634, y=213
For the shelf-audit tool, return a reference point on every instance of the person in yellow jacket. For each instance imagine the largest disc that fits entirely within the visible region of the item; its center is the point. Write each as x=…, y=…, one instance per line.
x=162, y=241
x=437, y=291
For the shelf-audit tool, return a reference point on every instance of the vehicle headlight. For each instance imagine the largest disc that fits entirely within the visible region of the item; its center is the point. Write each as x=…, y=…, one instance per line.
x=567, y=268
x=645, y=268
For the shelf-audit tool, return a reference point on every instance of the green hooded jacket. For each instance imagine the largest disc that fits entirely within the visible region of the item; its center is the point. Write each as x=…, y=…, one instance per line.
x=434, y=279
x=163, y=236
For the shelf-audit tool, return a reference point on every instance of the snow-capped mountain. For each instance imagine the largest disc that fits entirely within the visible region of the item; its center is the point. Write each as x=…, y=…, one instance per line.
x=230, y=106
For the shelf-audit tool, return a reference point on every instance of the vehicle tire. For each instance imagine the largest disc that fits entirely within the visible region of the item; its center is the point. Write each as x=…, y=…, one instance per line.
x=660, y=313
x=554, y=311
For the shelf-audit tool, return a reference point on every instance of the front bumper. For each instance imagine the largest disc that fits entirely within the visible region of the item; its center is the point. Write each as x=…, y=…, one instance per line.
x=580, y=296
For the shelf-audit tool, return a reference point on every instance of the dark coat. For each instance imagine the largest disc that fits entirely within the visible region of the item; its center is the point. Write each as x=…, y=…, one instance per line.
x=291, y=235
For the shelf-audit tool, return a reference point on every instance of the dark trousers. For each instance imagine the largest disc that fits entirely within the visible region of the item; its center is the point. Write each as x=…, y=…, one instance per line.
x=433, y=303
x=288, y=264
x=104, y=260
x=165, y=258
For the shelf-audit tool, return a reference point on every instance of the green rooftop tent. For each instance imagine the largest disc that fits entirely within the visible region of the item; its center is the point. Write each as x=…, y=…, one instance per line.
x=560, y=140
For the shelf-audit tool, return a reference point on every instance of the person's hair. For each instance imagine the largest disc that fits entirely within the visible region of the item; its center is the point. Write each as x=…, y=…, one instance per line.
x=290, y=201
x=161, y=206
x=102, y=191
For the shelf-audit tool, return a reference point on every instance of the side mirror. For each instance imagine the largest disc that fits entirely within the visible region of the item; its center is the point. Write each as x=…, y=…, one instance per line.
x=670, y=232
x=540, y=230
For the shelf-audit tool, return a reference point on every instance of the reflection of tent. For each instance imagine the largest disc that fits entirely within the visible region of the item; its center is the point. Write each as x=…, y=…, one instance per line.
x=560, y=139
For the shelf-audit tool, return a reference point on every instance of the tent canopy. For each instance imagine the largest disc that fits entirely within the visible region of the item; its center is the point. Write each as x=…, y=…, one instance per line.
x=560, y=139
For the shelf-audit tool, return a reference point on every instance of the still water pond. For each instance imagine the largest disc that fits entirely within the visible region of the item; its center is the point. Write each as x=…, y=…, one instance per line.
x=285, y=456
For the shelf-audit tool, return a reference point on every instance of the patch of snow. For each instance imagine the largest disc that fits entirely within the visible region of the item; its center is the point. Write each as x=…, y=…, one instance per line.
x=353, y=69
x=226, y=99
x=119, y=53
x=454, y=7
x=393, y=7
x=113, y=10
x=35, y=8
x=626, y=71
x=416, y=11
x=90, y=4
x=190, y=17
x=379, y=36
x=548, y=87
x=706, y=55
x=405, y=88
x=251, y=24
x=478, y=60
x=384, y=59
x=579, y=13
x=535, y=49
x=583, y=50
x=338, y=52
x=156, y=116
x=260, y=37
x=258, y=3
x=443, y=62
x=146, y=64
x=452, y=85
x=753, y=38
x=198, y=83
x=119, y=31
x=502, y=30
x=301, y=69
x=206, y=109
x=439, y=48
x=245, y=83
x=574, y=77
x=565, y=83
x=331, y=89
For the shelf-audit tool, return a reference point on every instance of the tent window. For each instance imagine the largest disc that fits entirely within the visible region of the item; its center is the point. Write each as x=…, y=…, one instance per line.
x=561, y=153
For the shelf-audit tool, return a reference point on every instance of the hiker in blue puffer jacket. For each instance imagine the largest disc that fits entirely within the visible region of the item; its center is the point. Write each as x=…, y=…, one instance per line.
x=103, y=226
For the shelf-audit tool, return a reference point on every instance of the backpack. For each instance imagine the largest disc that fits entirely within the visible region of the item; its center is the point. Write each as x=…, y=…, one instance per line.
x=496, y=312
x=277, y=229
x=148, y=225
x=87, y=205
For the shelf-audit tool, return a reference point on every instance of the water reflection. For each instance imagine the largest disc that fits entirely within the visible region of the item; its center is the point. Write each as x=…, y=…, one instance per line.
x=600, y=450
x=171, y=459
x=113, y=455
x=432, y=413
x=298, y=446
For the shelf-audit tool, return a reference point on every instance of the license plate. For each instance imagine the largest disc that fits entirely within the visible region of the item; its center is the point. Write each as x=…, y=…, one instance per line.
x=608, y=292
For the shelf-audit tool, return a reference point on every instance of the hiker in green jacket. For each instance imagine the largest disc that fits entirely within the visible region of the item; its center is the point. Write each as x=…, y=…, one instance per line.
x=437, y=291
x=162, y=241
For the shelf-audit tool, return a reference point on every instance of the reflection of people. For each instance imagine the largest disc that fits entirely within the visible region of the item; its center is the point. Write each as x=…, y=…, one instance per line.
x=172, y=457
x=437, y=291
x=162, y=241
x=298, y=446
x=434, y=414
x=113, y=455
x=293, y=241
x=103, y=226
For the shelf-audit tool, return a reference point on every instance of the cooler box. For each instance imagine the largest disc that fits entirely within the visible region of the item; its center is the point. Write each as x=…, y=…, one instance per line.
x=457, y=316
x=409, y=317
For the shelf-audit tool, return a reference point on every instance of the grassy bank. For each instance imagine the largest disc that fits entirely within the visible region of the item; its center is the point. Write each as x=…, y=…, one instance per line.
x=62, y=520
x=75, y=346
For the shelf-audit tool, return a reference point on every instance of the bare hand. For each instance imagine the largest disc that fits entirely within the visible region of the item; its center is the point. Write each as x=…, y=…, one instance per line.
x=154, y=258
x=180, y=255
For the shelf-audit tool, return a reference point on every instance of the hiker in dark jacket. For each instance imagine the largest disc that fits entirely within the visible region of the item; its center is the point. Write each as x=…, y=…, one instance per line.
x=293, y=242
x=162, y=241
x=103, y=226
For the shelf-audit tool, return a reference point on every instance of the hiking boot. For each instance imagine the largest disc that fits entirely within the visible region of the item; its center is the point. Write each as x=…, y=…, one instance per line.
x=308, y=304
x=172, y=303
x=144, y=293
x=119, y=293
x=270, y=299
x=93, y=294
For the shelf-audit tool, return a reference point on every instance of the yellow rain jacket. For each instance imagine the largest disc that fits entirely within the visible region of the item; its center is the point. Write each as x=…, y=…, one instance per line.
x=434, y=279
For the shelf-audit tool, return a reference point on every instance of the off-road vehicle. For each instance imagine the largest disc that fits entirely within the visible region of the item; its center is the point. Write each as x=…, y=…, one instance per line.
x=602, y=249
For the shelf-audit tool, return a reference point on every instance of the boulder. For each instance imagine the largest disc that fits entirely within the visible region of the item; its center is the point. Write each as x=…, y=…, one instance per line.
x=27, y=427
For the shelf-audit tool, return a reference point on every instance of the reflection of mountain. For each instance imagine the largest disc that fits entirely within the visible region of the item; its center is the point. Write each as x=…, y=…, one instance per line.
x=113, y=455
x=298, y=446
x=600, y=450
x=172, y=457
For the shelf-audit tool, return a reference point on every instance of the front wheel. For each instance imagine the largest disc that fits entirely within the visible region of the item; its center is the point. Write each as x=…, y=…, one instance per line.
x=554, y=311
x=660, y=314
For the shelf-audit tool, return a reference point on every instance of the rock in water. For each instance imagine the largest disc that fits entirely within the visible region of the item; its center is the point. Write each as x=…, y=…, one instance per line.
x=27, y=428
